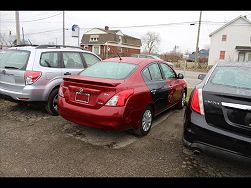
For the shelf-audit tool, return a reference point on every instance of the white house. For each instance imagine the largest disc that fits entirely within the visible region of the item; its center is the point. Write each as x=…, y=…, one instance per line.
x=231, y=42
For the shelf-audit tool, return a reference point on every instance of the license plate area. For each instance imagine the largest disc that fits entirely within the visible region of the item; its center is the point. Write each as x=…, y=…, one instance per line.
x=239, y=117
x=82, y=97
x=7, y=79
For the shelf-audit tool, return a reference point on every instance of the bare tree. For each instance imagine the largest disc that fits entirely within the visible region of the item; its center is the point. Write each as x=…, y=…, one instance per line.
x=151, y=42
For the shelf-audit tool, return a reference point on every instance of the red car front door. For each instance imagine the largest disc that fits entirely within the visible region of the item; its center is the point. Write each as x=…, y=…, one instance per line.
x=157, y=86
x=173, y=84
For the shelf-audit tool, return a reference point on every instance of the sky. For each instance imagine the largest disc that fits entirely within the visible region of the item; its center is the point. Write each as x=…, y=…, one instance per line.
x=173, y=27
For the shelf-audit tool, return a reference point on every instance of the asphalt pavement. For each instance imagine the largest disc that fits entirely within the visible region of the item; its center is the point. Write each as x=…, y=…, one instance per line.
x=35, y=144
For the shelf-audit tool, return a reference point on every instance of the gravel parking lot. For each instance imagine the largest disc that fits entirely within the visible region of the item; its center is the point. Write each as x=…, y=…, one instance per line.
x=34, y=143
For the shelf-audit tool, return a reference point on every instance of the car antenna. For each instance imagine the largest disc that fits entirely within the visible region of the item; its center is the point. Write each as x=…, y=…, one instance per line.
x=119, y=56
x=30, y=42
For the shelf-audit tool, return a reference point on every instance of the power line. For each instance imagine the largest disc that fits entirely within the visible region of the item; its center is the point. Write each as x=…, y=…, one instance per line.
x=43, y=18
x=177, y=23
x=53, y=30
x=34, y=19
x=153, y=25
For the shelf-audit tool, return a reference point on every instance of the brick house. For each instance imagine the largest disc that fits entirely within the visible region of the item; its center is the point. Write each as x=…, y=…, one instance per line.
x=107, y=43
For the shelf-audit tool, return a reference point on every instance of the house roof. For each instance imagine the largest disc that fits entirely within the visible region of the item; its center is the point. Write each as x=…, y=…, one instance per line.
x=108, y=31
x=229, y=23
x=111, y=36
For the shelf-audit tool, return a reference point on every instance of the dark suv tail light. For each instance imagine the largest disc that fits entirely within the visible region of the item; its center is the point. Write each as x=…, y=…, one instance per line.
x=197, y=101
x=120, y=98
x=31, y=77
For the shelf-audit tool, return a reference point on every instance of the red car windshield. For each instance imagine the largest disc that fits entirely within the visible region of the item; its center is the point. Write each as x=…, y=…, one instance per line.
x=110, y=70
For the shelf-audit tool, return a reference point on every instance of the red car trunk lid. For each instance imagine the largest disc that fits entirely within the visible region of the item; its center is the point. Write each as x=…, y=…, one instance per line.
x=89, y=92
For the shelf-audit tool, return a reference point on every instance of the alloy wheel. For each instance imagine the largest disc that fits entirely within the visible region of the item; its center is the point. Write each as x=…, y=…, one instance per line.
x=147, y=120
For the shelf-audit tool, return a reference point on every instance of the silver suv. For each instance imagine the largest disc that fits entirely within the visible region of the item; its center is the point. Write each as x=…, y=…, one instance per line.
x=34, y=73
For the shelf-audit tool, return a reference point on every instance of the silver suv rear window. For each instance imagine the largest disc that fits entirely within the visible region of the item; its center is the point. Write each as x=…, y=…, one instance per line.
x=237, y=77
x=15, y=59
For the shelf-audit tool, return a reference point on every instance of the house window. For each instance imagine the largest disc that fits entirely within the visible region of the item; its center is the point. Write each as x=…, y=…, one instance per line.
x=121, y=50
x=224, y=38
x=222, y=55
x=94, y=38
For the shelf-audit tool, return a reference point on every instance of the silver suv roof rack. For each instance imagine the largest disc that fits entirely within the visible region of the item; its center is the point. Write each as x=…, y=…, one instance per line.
x=21, y=45
x=56, y=46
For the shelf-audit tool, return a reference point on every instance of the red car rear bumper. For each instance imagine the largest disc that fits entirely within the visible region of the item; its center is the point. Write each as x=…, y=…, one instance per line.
x=113, y=118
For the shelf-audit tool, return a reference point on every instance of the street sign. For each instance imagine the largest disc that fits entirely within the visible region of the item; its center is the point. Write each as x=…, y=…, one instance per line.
x=75, y=30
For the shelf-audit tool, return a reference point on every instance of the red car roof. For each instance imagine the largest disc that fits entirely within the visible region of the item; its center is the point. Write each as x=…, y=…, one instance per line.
x=133, y=60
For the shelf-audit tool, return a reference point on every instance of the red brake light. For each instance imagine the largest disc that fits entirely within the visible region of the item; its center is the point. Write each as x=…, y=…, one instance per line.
x=120, y=98
x=197, y=101
x=31, y=77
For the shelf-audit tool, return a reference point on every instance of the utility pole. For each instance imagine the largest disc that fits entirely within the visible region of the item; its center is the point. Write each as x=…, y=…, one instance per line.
x=23, y=34
x=63, y=31
x=197, y=43
x=17, y=27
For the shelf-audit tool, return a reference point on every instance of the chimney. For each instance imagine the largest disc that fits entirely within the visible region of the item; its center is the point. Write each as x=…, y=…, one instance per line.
x=106, y=28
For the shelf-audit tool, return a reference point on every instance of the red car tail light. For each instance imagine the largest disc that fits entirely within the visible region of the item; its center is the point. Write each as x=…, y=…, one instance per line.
x=120, y=98
x=61, y=90
x=31, y=77
x=197, y=101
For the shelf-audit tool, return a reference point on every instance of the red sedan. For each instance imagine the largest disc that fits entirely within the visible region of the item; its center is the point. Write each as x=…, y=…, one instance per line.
x=121, y=93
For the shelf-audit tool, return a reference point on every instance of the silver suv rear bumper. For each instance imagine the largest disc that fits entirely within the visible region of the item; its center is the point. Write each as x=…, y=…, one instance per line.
x=29, y=93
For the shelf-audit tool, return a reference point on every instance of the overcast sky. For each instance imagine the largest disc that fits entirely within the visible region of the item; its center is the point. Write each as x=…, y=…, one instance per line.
x=179, y=31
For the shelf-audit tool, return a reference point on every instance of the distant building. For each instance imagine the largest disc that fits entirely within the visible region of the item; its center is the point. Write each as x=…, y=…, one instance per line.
x=231, y=42
x=203, y=54
x=108, y=43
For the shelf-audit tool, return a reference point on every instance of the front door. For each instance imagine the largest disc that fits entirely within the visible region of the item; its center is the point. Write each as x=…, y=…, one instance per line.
x=249, y=57
x=173, y=83
x=241, y=57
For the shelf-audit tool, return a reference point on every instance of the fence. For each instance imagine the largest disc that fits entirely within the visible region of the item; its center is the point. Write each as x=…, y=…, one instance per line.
x=191, y=70
x=192, y=66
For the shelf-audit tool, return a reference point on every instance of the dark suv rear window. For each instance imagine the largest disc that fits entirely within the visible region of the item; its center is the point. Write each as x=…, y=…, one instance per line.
x=110, y=70
x=238, y=77
x=16, y=59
